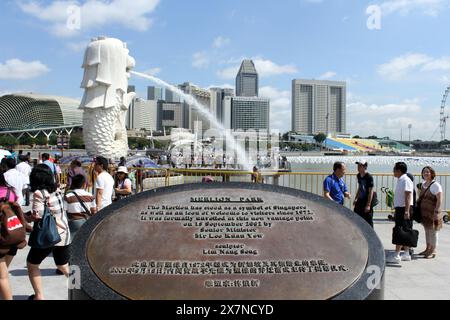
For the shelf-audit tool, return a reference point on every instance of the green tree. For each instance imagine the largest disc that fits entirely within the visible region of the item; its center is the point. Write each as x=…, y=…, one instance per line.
x=76, y=140
x=26, y=140
x=41, y=140
x=320, y=138
x=138, y=143
x=53, y=140
x=8, y=141
x=161, y=144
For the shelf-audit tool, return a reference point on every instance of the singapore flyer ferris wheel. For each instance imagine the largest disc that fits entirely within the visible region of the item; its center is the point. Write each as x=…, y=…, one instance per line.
x=444, y=115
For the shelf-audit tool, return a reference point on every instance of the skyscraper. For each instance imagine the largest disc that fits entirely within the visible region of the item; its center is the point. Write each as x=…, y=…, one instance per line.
x=130, y=113
x=145, y=114
x=154, y=93
x=171, y=96
x=247, y=80
x=246, y=113
x=191, y=114
x=217, y=100
x=170, y=115
x=318, y=106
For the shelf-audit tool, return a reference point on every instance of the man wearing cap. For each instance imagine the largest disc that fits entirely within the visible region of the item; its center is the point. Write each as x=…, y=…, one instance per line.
x=122, y=186
x=365, y=194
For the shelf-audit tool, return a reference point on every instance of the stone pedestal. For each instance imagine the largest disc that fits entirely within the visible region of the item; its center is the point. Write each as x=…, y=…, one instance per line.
x=228, y=241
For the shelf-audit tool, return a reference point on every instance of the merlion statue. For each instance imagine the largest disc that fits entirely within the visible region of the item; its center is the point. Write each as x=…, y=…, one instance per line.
x=105, y=102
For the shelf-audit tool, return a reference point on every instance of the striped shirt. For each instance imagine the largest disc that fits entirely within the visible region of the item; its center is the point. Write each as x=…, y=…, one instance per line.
x=72, y=205
x=55, y=204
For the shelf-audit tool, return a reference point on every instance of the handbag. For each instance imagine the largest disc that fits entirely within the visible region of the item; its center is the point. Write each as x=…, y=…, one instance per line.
x=375, y=201
x=403, y=235
x=417, y=212
x=45, y=231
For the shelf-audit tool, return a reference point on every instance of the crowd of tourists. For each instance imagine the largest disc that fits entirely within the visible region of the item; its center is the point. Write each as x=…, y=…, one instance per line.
x=31, y=193
x=32, y=196
x=425, y=209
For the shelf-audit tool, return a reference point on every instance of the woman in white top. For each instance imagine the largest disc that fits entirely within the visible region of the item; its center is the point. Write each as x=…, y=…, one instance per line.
x=430, y=204
x=122, y=186
x=44, y=189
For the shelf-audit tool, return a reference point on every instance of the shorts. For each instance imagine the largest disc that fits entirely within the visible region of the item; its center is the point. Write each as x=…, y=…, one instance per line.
x=12, y=252
x=61, y=255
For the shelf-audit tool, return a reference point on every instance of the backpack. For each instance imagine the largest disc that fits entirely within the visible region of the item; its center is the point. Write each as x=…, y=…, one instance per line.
x=12, y=226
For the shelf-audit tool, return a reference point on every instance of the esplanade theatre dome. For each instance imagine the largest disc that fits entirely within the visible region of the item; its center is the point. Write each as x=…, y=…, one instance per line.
x=33, y=111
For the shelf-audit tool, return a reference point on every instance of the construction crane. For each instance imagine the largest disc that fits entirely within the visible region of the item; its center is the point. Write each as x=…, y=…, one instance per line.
x=444, y=117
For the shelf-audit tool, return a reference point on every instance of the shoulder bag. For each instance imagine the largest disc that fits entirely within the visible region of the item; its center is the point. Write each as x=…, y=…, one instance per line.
x=417, y=213
x=45, y=231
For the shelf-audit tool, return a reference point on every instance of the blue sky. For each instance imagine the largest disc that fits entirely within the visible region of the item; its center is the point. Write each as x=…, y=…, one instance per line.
x=396, y=75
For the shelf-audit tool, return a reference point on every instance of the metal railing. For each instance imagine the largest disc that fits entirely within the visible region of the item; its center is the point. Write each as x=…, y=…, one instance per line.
x=148, y=179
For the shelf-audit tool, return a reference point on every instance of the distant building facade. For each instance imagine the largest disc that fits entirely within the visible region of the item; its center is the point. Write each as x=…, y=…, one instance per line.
x=247, y=80
x=170, y=96
x=191, y=114
x=145, y=115
x=23, y=111
x=318, y=107
x=246, y=113
x=170, y=115
x=217, y=101
x=154, y=93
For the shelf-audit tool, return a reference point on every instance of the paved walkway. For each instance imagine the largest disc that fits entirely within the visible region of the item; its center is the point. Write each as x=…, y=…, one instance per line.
x=418, y=279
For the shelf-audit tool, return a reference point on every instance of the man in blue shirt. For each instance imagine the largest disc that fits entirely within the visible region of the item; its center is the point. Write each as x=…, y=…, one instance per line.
x=334, y=187
x=46, y=160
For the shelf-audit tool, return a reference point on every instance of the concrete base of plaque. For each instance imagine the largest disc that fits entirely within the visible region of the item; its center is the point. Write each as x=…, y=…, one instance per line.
x=234, y=241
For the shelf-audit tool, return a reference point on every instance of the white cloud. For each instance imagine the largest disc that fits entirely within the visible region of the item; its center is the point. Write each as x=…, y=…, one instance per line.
x=264, y=67
x=228, y=73
x=388, y=119
x=440, y=64
x=16, y=69
x=268, y=68
x=280, y=107
x=404, y=66
x=200, y=60
x=445, y=80
x=93, y=14
x=404, y=7
x=153, y=71
x=77, y=46
x=224, y=86
x=327, y=75
x=220, y=42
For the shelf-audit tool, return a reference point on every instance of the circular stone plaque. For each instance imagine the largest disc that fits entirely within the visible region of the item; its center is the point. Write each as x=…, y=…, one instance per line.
x=227, y=241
